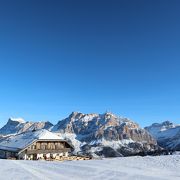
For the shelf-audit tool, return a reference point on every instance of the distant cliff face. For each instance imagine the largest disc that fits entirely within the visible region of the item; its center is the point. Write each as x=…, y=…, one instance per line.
x=167, y=134
x=15, y=126
x=108, y=133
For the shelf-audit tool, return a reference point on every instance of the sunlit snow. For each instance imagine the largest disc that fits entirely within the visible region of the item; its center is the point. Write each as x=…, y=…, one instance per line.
x=125, y=168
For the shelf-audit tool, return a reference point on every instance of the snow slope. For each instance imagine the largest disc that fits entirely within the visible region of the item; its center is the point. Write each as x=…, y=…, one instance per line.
x=125, y=168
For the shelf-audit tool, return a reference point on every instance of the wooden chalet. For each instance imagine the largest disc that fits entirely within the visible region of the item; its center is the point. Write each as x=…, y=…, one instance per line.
x=34, y=145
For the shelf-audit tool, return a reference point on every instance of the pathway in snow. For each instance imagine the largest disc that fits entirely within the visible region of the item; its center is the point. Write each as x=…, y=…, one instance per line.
x=145, y=168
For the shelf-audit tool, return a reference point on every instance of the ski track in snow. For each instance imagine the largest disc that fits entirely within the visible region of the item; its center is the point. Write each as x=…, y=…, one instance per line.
x=127, y=168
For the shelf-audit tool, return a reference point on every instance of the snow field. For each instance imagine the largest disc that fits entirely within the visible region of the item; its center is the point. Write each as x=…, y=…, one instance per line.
x=125, y=168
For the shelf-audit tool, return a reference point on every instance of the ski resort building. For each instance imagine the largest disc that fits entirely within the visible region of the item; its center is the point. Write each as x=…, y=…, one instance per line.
x=34, y=145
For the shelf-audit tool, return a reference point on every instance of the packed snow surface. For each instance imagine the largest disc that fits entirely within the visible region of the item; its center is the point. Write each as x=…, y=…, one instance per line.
x=125, y=168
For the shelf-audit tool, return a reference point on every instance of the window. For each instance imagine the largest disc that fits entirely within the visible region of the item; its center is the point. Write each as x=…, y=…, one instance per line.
x=33, y=147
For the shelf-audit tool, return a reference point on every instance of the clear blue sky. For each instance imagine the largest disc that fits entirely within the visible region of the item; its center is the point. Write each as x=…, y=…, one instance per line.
x=90, y=56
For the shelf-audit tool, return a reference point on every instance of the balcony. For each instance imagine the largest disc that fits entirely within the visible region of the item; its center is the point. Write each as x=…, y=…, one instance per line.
x=46, y=151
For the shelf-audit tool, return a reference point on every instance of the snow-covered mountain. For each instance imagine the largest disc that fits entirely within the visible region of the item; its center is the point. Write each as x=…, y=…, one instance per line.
x=93, y=134
x=167, y=134
x=105, y=134
x=19, y=125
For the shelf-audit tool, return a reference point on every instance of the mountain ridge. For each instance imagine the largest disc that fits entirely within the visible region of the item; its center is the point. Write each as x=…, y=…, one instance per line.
x=98, y=134
x=19, y=125
x=166, y=133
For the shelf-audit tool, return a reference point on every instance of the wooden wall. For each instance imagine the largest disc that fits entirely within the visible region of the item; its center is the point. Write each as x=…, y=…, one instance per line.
x=48, y=145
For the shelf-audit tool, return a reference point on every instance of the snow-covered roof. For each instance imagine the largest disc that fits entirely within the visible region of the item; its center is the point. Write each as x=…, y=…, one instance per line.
x=21, y=141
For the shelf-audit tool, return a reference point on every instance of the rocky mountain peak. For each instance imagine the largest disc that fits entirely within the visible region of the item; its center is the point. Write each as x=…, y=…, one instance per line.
x=168, y=124
x=16, y=120
x=75, y=115
x=155, y=128
x=166, y=133
x=18, y=125
x=101, y=130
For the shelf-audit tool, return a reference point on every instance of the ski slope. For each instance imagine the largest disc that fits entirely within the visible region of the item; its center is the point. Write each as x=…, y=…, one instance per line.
x=125, y=168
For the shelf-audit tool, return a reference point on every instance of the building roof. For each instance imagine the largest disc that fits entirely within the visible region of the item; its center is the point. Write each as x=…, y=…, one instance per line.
x=20, y=141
